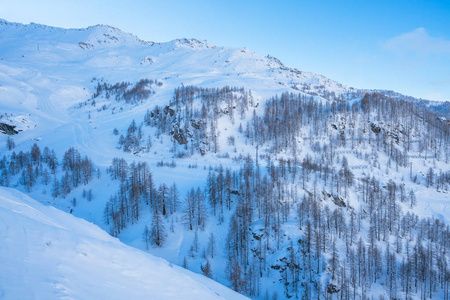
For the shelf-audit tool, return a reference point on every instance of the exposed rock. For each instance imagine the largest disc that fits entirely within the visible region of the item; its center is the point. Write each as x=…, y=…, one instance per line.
x=376, y=129
x=276, y=267
x=8, y=129
x=257, y=236
x=197, y=124
x=234, y=192
x=86, y=46
x=335, y=198
x=179, y=136
x=332, y=289
x=170, y=111
x=338, y=201
x=326, y=194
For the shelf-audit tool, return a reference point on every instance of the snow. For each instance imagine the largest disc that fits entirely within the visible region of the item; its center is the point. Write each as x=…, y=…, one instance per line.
x=46, y=72
x=49, y=254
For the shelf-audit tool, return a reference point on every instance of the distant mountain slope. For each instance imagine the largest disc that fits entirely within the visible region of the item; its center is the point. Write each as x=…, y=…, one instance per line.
x=48, y=254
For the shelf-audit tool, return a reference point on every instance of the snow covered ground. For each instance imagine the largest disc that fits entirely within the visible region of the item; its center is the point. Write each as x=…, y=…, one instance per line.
x=47, y=72
x=48, y=254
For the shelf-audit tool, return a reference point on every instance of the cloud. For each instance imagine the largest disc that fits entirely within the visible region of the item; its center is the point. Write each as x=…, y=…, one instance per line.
x=417, y=41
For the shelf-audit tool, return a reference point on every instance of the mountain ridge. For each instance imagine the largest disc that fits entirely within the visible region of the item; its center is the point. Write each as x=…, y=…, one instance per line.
x=103, y=38
x=108, y=36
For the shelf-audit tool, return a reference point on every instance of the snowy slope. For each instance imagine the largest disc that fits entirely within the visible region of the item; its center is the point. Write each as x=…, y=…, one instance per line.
x=48, y=79
x=45, y=72
x=48, y=254
x=74, y=56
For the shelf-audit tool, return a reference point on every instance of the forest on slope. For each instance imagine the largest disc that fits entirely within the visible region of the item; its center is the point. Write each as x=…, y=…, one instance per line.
x=275, y=182
x=327, y=209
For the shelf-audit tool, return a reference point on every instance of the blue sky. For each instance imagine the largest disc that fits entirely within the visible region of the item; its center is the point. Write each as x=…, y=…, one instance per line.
x=398, y=45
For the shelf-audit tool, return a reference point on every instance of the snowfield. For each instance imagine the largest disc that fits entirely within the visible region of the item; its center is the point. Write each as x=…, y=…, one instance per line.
x=48, y=254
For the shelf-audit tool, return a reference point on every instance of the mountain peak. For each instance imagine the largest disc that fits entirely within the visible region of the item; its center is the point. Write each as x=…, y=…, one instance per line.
x=108, y=30
x=194, y=44
x=97, y=34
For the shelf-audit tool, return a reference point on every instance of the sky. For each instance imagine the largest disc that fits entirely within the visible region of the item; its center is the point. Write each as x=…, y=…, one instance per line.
x=395, y=45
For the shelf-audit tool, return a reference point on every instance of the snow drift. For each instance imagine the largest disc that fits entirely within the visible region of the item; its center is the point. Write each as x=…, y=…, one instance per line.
x=48, y=254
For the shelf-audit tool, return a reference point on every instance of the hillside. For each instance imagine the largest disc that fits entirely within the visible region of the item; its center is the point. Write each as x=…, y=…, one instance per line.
x=48, y=254
x=270, y=180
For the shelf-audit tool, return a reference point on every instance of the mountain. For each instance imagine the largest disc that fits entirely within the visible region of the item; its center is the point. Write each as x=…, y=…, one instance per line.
x=275, y=182
x=100, y=47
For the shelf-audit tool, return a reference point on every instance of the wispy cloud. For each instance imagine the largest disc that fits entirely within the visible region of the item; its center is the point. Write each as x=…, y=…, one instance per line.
x=417, y=41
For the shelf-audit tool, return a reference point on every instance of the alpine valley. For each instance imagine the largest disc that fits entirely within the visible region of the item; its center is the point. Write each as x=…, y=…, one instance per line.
x=207, y=161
